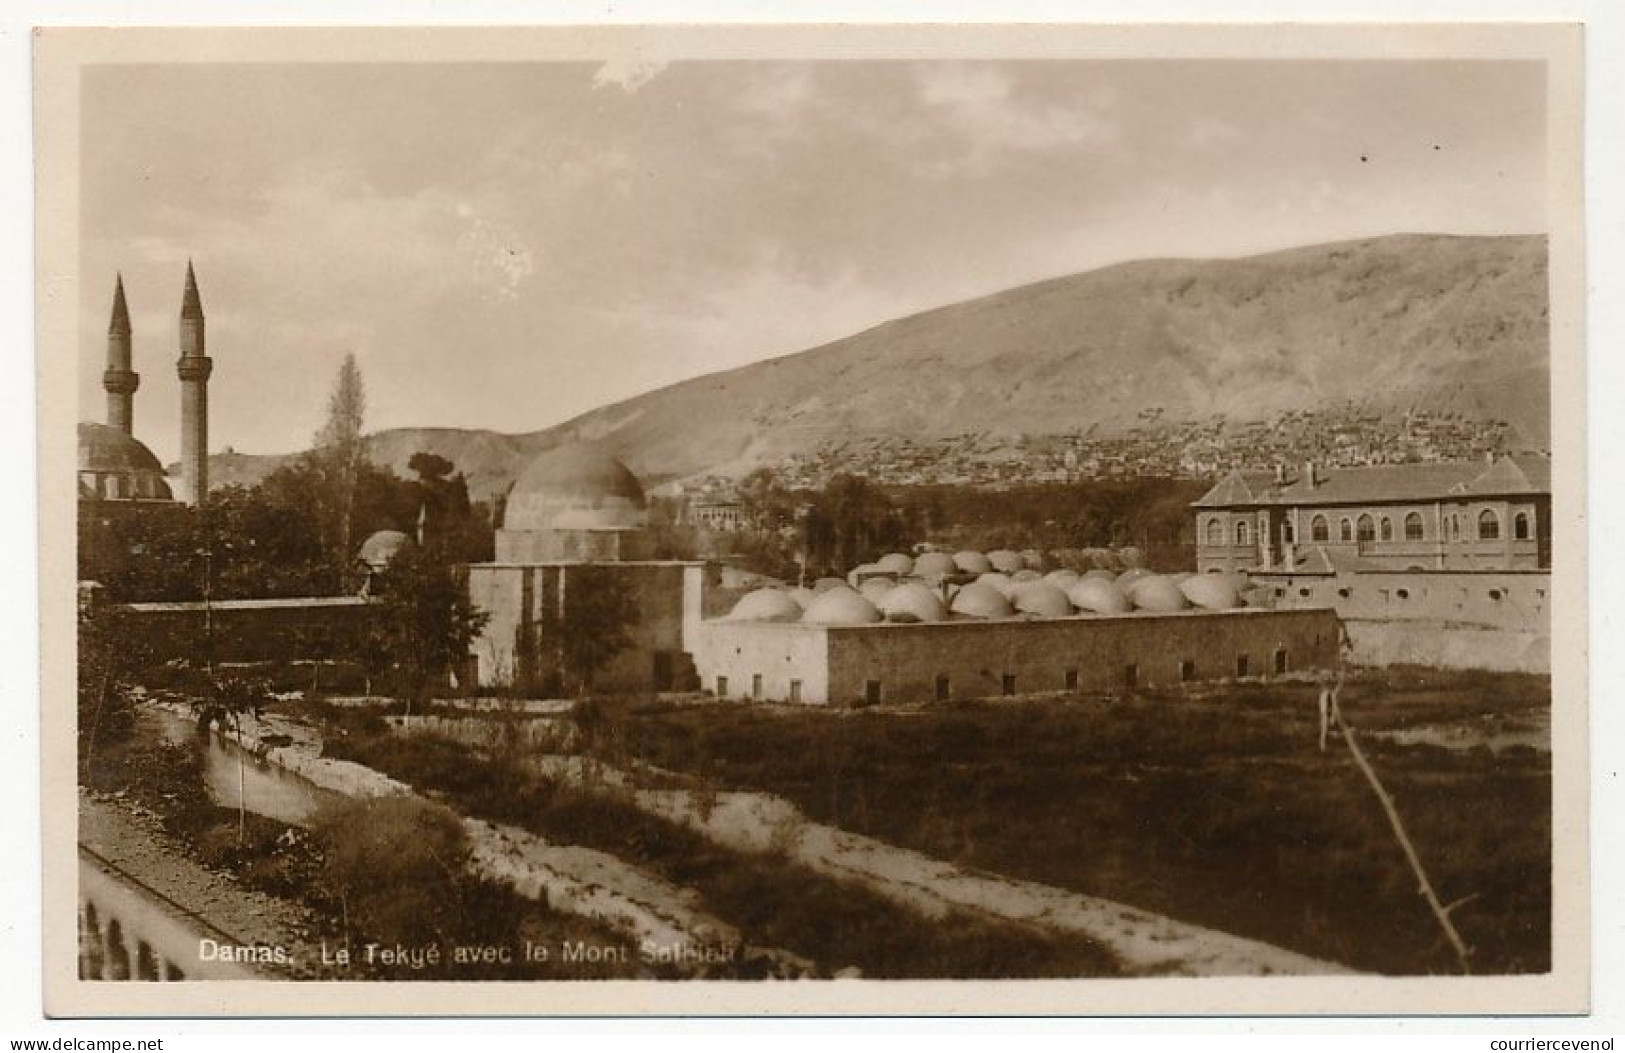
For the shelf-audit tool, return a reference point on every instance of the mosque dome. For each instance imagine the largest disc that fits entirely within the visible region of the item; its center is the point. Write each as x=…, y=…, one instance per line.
x=1041, y=598
x=575, y=488
x=912, y=602
x=1005, y=561
x=841, y=606
x=1216, y=592
x=896, y=563
x=115, y=466
x=766, y=605
x=380, y=550
x=981, y=600
x=1156, y=593
x=934, y=565
x=1099, y=595
x=971, y=562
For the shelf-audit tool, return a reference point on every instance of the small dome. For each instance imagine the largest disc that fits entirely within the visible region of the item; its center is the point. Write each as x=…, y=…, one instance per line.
x=1130, y=576
x=970, y=562
x=934, y=565
x=1043, y=599
x=861, y=571
x=998, y=581
x=873, y=589
x=896, y=563
x=380, y=550
x=1156, y=593
x=1099, y=595
x=765, y=605
x=1216, y=592
x=1005, y=561
x=842, y=606
x=575, y=488
x=912, y=602
x=116, y=466
x=1062, y=579
x=981, y=600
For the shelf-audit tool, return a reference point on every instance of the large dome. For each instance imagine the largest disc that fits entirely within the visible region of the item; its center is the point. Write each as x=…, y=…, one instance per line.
x=575, y=488
x=116, y=466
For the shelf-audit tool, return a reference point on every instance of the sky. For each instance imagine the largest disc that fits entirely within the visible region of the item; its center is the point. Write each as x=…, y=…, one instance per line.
x=506, y=246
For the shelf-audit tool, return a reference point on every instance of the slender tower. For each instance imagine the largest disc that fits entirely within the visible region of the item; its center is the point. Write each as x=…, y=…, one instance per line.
x=120, y=381
x=194, y=368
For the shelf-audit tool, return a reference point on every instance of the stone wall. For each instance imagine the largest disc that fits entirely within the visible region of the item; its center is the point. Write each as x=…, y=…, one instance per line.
x=249, y=630
x=977, y=659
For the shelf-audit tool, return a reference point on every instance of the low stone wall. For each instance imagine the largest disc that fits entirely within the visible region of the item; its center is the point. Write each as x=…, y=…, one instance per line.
x=249, y=630
x=1448, y=646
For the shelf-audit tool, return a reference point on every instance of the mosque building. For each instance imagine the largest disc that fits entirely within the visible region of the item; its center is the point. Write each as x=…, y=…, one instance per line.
x=118, y=476
x=938, y=627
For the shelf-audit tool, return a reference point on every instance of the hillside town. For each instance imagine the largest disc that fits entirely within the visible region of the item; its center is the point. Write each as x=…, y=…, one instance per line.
x=1345, y=436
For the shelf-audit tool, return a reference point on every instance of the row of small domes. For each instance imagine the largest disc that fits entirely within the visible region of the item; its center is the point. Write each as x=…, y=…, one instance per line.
x=946, y=565
x=1059, y=594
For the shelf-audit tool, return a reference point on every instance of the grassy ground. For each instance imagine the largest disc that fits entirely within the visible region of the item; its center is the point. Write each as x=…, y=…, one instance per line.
x=775, y=903
x=1216, y=808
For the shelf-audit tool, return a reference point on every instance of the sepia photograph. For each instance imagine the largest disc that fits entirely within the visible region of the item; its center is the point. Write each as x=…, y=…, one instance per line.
x=676, y=519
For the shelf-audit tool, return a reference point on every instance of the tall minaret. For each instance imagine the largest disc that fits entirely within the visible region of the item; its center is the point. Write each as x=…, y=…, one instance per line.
x=194, y=368
x=120, y=381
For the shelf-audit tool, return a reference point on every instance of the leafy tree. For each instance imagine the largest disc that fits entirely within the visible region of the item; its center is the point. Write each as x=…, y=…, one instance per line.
x=426, y=620
x=594, y=625
x=108, y=659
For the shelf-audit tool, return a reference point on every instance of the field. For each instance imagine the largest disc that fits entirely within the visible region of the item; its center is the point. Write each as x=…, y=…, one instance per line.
x=1213, y=806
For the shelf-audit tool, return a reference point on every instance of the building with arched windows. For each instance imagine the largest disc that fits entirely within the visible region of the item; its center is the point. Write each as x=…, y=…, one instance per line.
x=1438, y=564
x=1411, y=517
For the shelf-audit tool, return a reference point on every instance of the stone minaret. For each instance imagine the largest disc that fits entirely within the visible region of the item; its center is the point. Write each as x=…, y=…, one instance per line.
x=120, y=381
x=194, y=368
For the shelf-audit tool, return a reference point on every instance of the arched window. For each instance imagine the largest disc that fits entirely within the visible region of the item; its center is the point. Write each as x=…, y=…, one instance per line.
x=1244, y=533
x=1413, y=526
x=1489, y=525
x=1345, y=530
x=1367, y=528
x=1318, y=530
x=1520, y=526
x=1215, y=532
x=1387, y=529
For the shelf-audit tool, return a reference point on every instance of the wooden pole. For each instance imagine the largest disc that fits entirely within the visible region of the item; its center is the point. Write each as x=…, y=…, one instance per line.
x=1424, y=886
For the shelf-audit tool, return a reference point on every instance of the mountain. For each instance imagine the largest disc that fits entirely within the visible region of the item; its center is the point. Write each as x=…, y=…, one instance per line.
x=1413, y=321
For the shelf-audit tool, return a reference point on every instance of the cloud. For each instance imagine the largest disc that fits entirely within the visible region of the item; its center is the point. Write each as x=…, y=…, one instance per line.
x=628, y=73
x=984, y=111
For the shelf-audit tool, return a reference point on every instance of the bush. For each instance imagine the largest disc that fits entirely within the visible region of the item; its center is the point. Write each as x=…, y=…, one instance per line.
x=395, y=863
